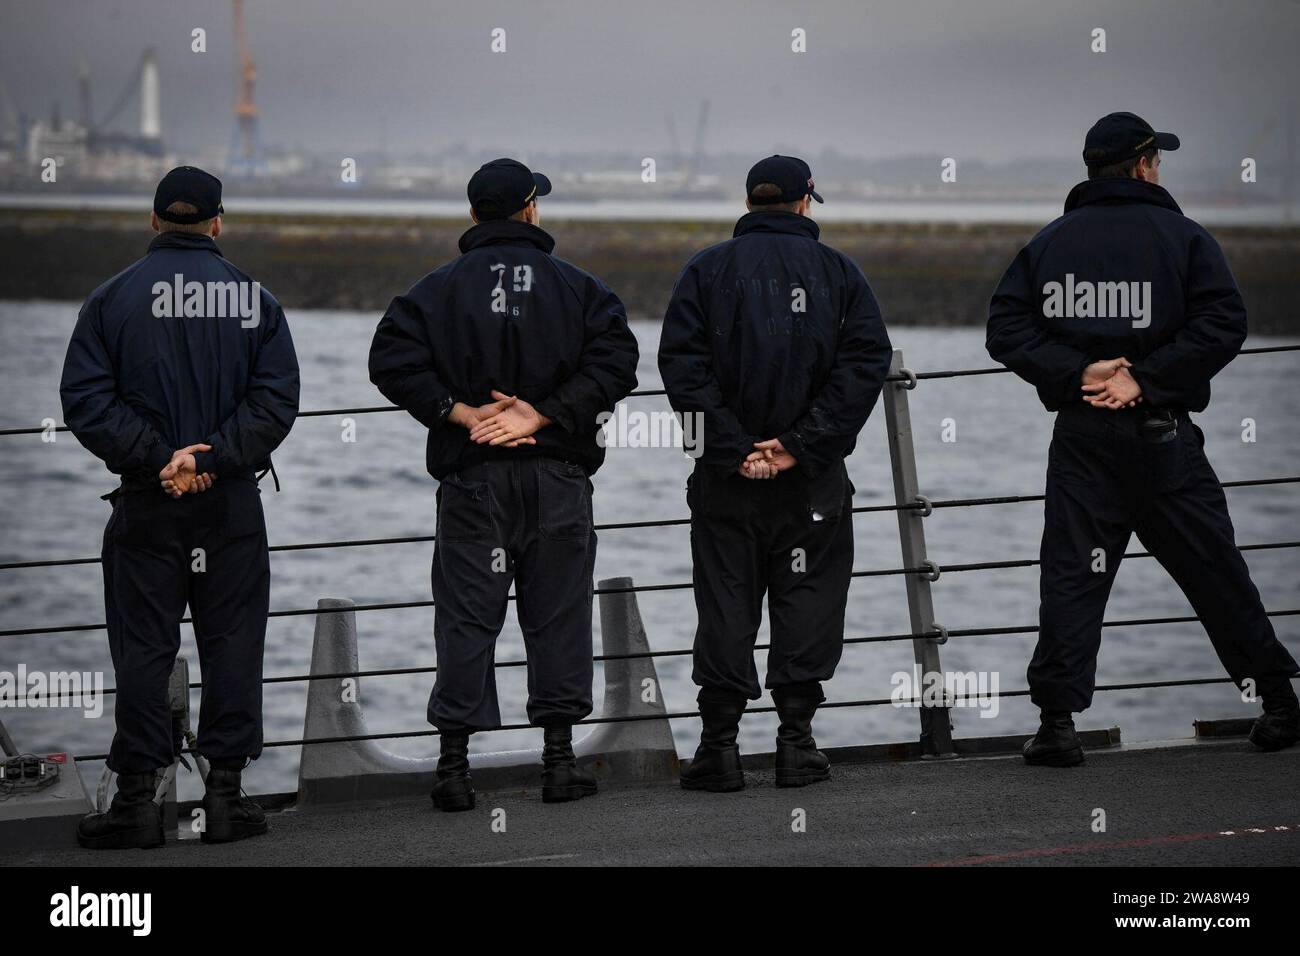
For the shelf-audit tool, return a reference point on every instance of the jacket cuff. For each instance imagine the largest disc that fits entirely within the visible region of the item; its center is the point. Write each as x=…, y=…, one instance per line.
x=205, y=461
x=730, y=458
x=444, y=408
x=1150, y=391
x=1075, y=389
x=553, y=409
x=158, y=458
x=790, y=442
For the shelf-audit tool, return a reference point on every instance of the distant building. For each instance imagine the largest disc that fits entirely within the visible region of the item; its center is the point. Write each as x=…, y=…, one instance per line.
x=94, y=152
x=60, y=140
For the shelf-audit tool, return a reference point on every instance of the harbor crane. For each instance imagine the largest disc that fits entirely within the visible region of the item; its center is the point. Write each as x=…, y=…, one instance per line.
x=245, y=151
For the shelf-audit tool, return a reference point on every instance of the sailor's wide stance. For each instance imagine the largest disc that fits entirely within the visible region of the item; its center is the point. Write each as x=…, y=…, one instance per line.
x=1119, y=313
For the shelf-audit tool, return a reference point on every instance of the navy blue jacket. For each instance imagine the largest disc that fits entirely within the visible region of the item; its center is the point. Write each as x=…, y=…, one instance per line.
x=506, y=315
x=1120, y=231
x=137, y=385
x=736, y=348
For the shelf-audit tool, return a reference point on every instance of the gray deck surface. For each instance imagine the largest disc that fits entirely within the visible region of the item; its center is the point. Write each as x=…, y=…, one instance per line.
x=1164, y=805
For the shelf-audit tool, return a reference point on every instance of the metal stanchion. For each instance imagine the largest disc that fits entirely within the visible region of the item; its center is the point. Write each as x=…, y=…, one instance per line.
x=936, y=722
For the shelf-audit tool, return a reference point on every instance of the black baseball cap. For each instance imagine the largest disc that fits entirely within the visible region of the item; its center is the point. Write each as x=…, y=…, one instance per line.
x=503, y=187
x=1120, y=136
x=192, y=185
x=792, y=176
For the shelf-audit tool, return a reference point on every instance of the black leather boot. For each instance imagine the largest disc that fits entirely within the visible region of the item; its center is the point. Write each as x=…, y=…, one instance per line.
x=1276, y=730
x=454, y=790
x=133, y=820
x=716, y=765
x=1279, y=727
x=227, y=814
x=798, y=761
x=562, y=779
x=1056, y=744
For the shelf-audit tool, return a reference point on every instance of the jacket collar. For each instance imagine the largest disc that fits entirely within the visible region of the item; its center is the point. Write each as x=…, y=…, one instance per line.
x=506, y=232
x=183, y=240
x=1120, y=190
x=787, y=223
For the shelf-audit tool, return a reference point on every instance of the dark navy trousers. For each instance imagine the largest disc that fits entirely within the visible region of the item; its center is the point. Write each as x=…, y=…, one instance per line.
x=526, y=522
x=149, y=561
x=1105, y=481
x=789, y=539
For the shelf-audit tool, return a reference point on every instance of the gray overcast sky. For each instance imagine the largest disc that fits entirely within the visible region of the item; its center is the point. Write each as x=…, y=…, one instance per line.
x=971, y=79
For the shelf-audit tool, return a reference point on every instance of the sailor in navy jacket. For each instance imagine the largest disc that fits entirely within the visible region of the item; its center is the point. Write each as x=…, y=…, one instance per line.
x=1119, y=313
x=510, y=357
x=775, y=343
x=181, y=377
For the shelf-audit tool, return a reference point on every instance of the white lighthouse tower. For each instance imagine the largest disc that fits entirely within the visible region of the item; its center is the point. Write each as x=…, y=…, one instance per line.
x=150, y=101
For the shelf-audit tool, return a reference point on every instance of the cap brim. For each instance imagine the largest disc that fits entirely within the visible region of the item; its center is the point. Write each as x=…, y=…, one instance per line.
x=1167, y=141
x=816, y=195
x=544, y=185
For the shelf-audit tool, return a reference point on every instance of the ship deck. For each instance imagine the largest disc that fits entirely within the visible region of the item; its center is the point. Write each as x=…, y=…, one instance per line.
x=1171, y=803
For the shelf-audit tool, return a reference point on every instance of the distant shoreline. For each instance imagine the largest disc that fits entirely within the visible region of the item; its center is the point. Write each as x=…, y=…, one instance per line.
x=923, y=272
x=965, y=209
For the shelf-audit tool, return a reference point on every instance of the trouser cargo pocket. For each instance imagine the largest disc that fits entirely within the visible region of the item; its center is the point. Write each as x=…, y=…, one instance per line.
x=464, y=509
x=563, y=500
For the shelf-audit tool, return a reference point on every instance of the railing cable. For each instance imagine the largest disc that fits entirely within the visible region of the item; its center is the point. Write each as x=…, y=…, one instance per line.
x=642, y=393
x=1010, y=631
x=933, y=571
x=691, y=714
x=624, y=525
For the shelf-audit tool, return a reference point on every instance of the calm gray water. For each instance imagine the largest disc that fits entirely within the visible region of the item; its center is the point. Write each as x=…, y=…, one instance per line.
x=377, y=487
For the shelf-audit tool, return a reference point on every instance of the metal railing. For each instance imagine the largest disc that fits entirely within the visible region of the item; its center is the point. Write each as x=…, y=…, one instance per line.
x=904, y=375
x=919, y=571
